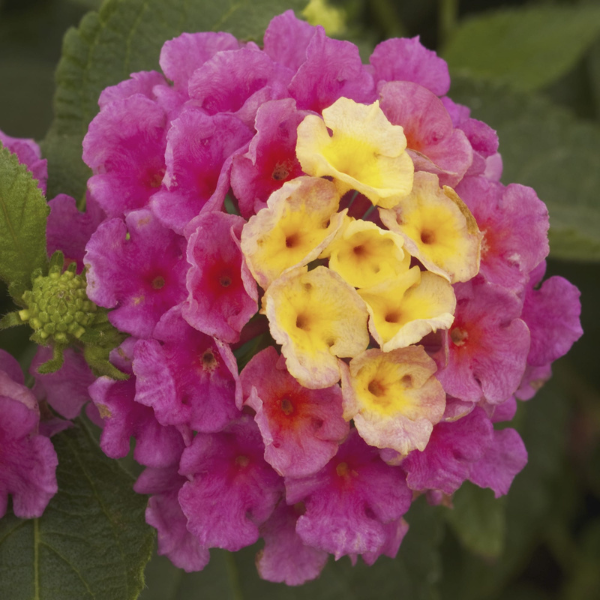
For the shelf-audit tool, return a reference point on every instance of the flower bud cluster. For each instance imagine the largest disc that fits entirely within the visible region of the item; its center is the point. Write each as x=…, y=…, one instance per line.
x=57, y=306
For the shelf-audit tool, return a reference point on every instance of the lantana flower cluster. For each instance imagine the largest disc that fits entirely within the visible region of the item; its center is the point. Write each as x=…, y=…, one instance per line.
x=330, y=298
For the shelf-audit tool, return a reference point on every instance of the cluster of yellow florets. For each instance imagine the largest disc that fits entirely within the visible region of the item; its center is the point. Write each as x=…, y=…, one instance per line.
x=332, y=281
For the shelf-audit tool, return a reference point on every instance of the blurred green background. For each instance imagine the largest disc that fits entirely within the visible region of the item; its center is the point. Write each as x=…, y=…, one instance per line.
x=531, y=69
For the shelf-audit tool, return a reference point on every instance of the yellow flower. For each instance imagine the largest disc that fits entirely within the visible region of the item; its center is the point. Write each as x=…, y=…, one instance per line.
x=404, y=310
x=299, y=221
x=316, y=316
x=437, y=228
x=393, y=397
x=366, y=255
x=365, y=152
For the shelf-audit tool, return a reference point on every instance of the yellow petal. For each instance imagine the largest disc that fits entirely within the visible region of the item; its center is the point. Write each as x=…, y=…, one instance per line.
x=366, y=255
x=406, y=309
x=393, y=398
x=365, y=151
x=437, y=228
x=316, y=316
x=299, y=221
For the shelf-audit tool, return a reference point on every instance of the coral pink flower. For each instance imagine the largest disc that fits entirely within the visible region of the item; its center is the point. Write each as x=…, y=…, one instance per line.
x=301, y=428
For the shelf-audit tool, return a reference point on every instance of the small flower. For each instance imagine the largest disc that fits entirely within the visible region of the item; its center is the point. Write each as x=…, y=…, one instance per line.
x=393, y=398
x=316, y=317
x=365, y=151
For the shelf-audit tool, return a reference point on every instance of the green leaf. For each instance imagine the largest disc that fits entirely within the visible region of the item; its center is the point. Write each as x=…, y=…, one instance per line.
x=547, y=148
x=527, y=48
x=126, y=36
x=412, y=575
x=478, y=519
x=92, y=541
x=23, y=214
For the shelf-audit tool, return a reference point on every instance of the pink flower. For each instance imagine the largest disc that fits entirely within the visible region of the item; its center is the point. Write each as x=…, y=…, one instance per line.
x=487, y=346
x=433, y=142
x=27, y=460
x=350, y=501
x=271, y=158
x=514, y=223
x=69, y=230
x=222, y=295
x=157, y=445
x=301, y=428
x=452, y=450
x=188, y=379
x=198, y=161
x=125, y=147
x=285, y=558
x=138, y=268
x=165, y=515
x=231, y=490
x=407, y=59
x=552, y=314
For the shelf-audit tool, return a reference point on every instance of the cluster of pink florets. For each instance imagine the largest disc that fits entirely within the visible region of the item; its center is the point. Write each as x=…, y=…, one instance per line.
x=235, y=456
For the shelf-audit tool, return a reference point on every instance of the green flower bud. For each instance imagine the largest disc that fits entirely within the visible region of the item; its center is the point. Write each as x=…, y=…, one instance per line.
x=57, y=306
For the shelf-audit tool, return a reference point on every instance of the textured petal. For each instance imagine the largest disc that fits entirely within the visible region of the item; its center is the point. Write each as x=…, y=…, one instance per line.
x=349, y=501
x=125, y=148
x=139, y=268
x=301, y=428
x=222, y=296
x=332, y=69
x=407, y=59
x=186, y=379
x=393, y=398
x=316, y=317
x=231, y=489
x=285, y=558
x=502, y=461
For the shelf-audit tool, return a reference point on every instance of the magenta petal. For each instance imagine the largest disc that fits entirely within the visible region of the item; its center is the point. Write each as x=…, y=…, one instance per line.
x=188, y=379
x=505, y=411
x=533, y=379
x=66, y=391
x=515, y=224
x=27, y=460
x=488, y=344
x=141, y=277
x=157, y=446
x=143, y=83
x=406, y=59
x=350, y=500
x=125, y=147
x=30, y=155
x=394, y=534
x=181, y=56
x=452, y=449
x=301, y=428
x=165, y=515
x=285, y=558
x=231, y=489
x=10, y=365
x=222, y=294
x=333, y=69
x=435, y=145
x=502, y=461
x=69, y=230
x=552, y=314
x=238, y=82
x=271, y=157
x=287, y=38
x=197, y=176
